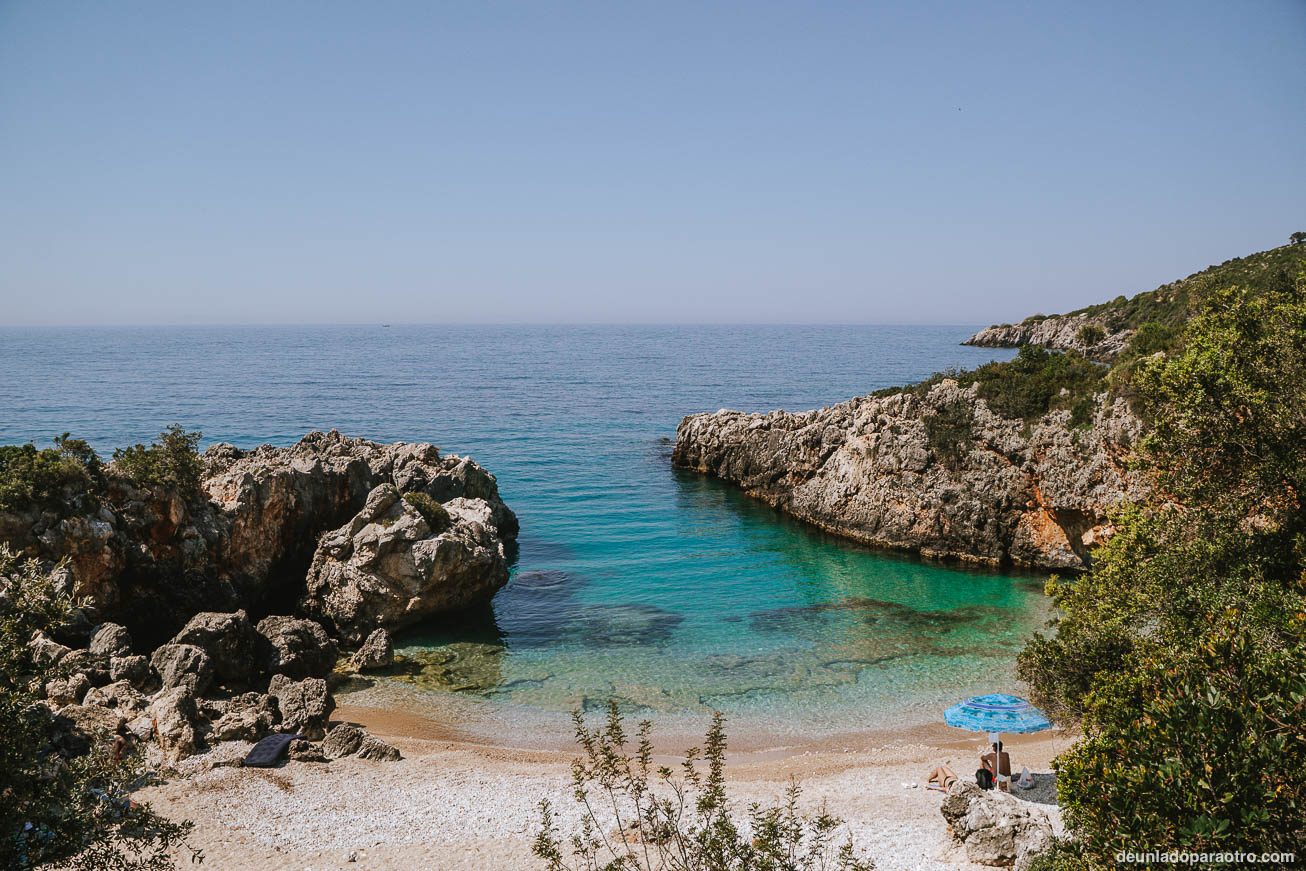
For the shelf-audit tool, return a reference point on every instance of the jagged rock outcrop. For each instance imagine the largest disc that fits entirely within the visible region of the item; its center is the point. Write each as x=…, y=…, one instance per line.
x=305, y=705
x=296, y=647
x=1101, y=341
x=376, y=652
x=999, y=492
x=995, y=828
x=387, y=568
x=229, y=641
x=183, y=665
x=150, y=557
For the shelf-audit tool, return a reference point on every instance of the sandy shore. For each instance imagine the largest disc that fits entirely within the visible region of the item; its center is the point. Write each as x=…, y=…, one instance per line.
x=458, y=803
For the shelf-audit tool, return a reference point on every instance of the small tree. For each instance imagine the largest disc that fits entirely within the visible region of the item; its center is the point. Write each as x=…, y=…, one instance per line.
x=172, y=460
x=662, y=821
x=1297, y=238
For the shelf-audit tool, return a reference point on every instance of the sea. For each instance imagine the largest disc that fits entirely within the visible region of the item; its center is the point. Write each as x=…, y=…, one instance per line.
x=667, y=591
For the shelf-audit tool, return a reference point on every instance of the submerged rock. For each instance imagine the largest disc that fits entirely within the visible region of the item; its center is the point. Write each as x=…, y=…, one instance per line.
x=387, y=568
x=1006, y=493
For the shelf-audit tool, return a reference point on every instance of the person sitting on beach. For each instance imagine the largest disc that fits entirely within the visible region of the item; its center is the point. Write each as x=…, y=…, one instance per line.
x=942, y=775
x=1002, y=772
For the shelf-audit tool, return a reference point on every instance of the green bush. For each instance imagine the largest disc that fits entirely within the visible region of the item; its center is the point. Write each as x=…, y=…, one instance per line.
x=1091, y=334
x=49, y=477
x=71, y=812
x=948, y=431
x=435, y=515
x=665, y=821
x=173, y=460
x=1038, y=381
x=1182, y=652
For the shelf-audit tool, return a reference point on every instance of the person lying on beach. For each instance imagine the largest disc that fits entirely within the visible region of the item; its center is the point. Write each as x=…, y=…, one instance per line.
x=943, y=776
x=1002, y=773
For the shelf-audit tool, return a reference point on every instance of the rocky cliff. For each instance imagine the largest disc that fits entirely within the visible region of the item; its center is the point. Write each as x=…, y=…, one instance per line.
x=938, y=473
x=1094, y=337
x=150, y=557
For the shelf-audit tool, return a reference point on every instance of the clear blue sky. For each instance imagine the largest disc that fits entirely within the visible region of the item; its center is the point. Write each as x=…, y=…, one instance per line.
x=635, y=162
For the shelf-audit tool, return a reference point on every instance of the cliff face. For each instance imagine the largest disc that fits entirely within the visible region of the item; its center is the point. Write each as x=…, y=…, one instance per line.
x=938, y=474
x=1058, y=333
x=150, y=558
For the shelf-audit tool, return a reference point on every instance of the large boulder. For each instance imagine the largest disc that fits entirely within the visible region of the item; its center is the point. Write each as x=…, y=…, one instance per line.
x=374, y=748
x=377, y=652
x=67, y=690
x=388, y=568
x=134, y=669
x=183, y=665
x=248, y=717
x=110, y=639
x=994, y=827
x=230, y=642
x=344, y=739
x=305, y=705
x=175, y=718
x=120, y=695
x=296, y=647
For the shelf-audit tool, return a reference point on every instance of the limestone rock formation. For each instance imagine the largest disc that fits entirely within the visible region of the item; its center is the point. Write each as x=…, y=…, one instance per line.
x=305, y=705
x=387, y=568
x=994, y=827
x=175, y=715
x=865, y=469
x=245, y=540
x=183, y=665
x=1101, y=341
x=374, y=748
x=229, y=642
x=377, y=652
x=296, y=647
x=110, y=639
x=343, y=740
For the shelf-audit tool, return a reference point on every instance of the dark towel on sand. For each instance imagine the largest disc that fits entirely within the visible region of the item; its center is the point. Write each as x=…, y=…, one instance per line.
x=268, y=752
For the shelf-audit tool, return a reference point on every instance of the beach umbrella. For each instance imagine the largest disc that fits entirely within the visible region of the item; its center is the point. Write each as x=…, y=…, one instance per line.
x=997, y=713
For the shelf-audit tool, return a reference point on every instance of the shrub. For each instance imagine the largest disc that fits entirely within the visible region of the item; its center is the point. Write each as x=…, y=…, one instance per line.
x=173, y=460
x=1183, y=651
x=1091, y=334
x=948, y=431
x=435, y=515
x=57, y=810
x=1031, y=385
x=48, y=477
x=661, y=820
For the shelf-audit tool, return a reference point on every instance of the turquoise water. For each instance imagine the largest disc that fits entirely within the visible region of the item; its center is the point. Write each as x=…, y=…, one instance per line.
x=667, y=590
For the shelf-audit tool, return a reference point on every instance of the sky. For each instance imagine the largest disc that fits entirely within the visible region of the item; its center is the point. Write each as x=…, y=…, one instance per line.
x=671, y=162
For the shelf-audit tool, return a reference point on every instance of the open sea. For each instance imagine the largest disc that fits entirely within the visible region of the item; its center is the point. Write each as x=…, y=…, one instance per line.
x=666, y=590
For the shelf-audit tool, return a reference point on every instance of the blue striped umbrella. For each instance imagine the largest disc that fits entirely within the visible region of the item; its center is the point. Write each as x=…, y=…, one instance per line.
x=997, y=713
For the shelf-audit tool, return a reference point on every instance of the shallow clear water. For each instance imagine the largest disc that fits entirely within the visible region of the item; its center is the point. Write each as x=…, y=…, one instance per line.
x=667, y=590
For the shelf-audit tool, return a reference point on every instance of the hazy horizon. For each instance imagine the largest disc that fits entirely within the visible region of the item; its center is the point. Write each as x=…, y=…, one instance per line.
x=943, y=164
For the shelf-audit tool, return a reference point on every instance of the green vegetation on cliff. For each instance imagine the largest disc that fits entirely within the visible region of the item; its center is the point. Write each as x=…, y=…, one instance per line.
x=67, y=476
x=1182, y=653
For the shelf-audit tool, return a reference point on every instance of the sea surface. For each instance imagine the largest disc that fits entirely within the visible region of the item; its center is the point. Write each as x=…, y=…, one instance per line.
x=668, y=591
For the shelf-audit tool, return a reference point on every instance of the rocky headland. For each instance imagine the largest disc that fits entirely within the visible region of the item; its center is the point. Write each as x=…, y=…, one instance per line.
x=218, y=613
x=1097, y=337
x=936, y=472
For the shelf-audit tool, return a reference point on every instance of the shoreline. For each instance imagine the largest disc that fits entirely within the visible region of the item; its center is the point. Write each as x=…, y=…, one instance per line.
x=461, y=802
